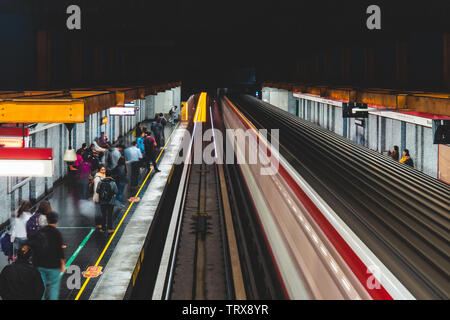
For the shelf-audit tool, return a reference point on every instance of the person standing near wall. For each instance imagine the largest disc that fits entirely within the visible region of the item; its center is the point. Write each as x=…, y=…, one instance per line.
x=19, y=230
x=84, y=172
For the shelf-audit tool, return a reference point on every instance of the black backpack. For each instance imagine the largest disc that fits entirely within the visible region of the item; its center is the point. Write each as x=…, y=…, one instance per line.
x=105, y=192
x=40, y=244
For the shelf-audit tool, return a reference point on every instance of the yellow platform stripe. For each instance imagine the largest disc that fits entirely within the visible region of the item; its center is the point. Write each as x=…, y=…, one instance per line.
x=123, y=218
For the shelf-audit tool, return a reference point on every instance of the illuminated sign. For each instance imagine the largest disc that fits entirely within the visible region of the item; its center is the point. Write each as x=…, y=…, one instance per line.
x=14, y=137
x=26, y=162
x=122, y=111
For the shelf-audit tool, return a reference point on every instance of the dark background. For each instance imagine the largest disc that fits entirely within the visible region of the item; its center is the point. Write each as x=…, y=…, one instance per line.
x=208, y=44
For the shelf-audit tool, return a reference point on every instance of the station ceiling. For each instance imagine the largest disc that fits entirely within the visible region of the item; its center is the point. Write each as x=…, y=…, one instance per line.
x=200, y=42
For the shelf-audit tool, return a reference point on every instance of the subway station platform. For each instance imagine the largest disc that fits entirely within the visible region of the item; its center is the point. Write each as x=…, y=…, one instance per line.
x=87, y=247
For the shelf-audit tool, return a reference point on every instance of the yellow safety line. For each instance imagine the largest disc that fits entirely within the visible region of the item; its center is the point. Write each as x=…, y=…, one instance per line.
x=200, y=113
x=123, y=218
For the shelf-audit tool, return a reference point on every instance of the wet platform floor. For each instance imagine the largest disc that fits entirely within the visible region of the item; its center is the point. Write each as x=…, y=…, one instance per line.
x=85, y=244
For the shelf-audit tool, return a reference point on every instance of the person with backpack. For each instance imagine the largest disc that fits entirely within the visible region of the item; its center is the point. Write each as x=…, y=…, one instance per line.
x=48, y=256
x=38, y=220
x=107, y=190
x=21, y=280
x=112, y=156
x=150, y=152
x=19, y=231
x=101, y=174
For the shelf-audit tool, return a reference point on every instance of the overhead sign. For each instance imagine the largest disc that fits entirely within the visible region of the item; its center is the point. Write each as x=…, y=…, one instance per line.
x=26, y=162
x=122, y=111
x=14, y=137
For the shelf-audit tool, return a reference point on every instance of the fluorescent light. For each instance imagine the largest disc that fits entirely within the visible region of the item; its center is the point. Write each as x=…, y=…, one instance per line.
x=26, y=168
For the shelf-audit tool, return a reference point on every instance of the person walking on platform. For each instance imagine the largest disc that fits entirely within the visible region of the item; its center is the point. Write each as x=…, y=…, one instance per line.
x=406, y=159
x=48, y=256
x=84, y=172
x=107, y=190
x=101, y=174
x=38, y=220
x=133, y=156
x=21, y=280
x=150, y=152
x=164, y=124
x=157, y=129
x=19, y=228
x=394, y=154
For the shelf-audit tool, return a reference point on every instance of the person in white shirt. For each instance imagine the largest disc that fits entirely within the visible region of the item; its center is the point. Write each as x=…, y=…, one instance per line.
x=173, y=114
x=19, y=230
x=133, y=156
x=101, y=174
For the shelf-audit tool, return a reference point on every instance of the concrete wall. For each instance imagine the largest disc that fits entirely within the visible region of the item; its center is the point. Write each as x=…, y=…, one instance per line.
x=56, y=137
x=378, y=133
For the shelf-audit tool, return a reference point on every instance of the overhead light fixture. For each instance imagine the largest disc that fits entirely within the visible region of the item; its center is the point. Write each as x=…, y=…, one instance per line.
x=70, y=154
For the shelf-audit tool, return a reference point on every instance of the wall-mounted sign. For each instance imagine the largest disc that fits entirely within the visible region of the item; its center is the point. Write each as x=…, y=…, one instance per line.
x=360, y=122
x=122, y=111
x=26, y=162
x=104, y=120
x=14, y=137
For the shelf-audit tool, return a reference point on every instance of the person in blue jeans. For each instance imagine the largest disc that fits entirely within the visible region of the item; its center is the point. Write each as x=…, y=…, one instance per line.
x=48, y=256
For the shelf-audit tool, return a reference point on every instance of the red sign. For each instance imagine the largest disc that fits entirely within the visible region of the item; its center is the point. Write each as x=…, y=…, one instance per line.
x=26, y=154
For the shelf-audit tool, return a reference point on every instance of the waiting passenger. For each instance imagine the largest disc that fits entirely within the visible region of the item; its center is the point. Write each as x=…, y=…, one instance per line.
x=103, y=140
x=48, y=256
x=121, y=177
x=19, y=229
x=107, y=190
x=140, y=142
x=394, y=154
x=38, y=220
x=101, y=174
x=21, y=280
x=406, y=159
x=133, y=156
